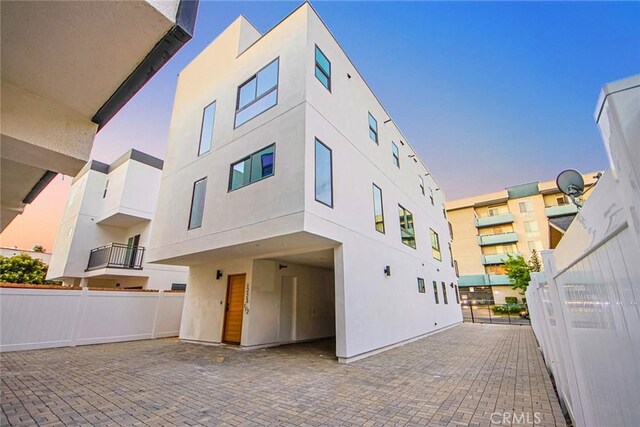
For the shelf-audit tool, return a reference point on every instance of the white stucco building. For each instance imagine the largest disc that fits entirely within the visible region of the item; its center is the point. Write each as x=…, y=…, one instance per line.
x=298, y=205
x=105, y=228
x=67, y=68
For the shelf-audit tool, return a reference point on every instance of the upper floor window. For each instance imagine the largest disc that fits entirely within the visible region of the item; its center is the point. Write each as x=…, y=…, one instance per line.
x=435, y=292
x=431, y=196
x=257, y=94
x=444, y=293
x=435, y=245
x=396, y=154
x=206, y=132
x=255, y=167
x=421, y=183
x=421, y=287
x=197, y=203
x=407, y=231
x=324, y=174
x=531, y=227
x=526, y=207
x=373, y=129
x=323, y=69
x=562, y=200
x=106, y=187
x=378, y=211
x=450, y=254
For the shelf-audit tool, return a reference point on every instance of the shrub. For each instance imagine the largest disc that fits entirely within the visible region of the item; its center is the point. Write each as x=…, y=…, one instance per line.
x=511, y=300
x=507, y=309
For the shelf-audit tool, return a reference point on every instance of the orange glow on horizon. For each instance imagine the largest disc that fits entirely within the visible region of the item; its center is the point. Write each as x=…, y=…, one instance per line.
x=38, y=224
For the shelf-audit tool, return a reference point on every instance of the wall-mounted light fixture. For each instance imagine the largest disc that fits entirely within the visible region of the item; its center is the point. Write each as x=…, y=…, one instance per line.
x=387, y=270
x=387, y=121
x=281, y=266
x=218, y=274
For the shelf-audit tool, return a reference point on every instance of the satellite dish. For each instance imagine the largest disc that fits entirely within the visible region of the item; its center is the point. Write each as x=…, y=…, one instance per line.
x=571, y=183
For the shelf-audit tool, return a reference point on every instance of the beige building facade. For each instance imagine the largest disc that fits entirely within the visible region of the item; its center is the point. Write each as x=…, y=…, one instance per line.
x=489, y=227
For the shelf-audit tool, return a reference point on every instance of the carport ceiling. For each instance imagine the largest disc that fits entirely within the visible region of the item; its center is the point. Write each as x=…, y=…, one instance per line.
x=323, y=259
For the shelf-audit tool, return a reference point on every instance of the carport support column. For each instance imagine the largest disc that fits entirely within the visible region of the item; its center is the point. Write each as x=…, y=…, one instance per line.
x=341, y=326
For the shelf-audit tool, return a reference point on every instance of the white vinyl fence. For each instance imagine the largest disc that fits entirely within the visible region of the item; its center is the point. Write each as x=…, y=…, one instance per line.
x=44, y=318
x=585, y=307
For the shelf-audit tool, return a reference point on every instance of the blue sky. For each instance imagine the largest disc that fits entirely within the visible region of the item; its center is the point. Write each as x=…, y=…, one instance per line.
x=489, y=94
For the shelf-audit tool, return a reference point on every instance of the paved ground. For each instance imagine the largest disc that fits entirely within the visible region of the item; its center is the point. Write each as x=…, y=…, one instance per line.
x=457, y=377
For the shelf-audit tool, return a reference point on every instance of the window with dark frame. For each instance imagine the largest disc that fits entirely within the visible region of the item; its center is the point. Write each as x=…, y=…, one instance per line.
x=396, y=154
x=421, y=183
x=253, y=168
x=450, y=254
x=435, y=292
x=421, y=287
x=378, y=210
x=407, y=230
x=206, y=130
x=431, y=196
x=373, y=129
x=435, y=245
x=444, y=293
x=323, y=174
x=457, y=291
x=197, y=203
x=257, y=94
x=323, y=69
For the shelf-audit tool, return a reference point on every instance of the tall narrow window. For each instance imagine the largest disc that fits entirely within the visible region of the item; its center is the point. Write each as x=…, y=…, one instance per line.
x=435, y=245
x=373, y=129
x=378, y=211
x=457, y=291
x=206, y=133
x=197, y=203
x=431, y=196
x=444, y=293
x=407, y=231
x=324, y=174
x=257, y=94
x=396, y=154
x=421, y=287
x=421, y=183
x=106, y=187
x=435, y=292
x=323, y=69
x=255, y=167
x=450, y=254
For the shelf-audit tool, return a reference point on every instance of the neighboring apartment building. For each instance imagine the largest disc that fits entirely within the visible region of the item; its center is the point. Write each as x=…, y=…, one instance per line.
x=10, y=252
x=104, y=230
x=67, y=68
x=514, y=221
x=300, y=208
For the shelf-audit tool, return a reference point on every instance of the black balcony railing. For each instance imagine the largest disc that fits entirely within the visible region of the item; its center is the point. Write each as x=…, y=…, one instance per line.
x=116, y=255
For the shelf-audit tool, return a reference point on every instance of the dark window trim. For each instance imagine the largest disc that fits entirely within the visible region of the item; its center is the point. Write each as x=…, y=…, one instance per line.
x=422, y=289
x=432, y=233
x=255, y=76
x=322, y=70
x=393, y=153
x=229, y=190
x=377, y=140
x=202, y=128
x=405, y=230
x=193, y=193
x=421, y=185
x=445, y=298
x=374, y=210
x=315, y=172
x=435, y=292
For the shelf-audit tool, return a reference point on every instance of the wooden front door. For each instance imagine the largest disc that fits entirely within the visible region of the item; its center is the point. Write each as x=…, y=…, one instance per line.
x=234, y=308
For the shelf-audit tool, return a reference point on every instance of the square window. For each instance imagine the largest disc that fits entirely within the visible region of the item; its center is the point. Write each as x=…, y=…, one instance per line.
x=257, y=94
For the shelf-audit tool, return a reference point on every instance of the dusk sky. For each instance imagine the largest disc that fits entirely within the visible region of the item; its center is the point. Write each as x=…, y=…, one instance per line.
x=489, y=94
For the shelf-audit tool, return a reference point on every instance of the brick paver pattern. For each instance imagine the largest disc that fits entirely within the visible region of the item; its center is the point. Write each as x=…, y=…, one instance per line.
x=454, y=378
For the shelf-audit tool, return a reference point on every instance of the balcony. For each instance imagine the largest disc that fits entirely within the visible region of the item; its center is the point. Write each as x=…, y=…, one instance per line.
x=116, y=255
x=497, y=239
x=499, y=279
x=488, y=221
x=562, y=210
x=495, y=258
x=473, y=280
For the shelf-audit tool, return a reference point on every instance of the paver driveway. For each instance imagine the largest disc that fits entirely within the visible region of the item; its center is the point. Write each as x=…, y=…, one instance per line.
x=457, y=377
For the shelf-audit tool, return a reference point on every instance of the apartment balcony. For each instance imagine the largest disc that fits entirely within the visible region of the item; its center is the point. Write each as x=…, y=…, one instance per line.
x=116, y=255
x=499, y=279
x=495, y=258
x=554, y=211
x=488, y=221
x=473, y=280
x=497, y=239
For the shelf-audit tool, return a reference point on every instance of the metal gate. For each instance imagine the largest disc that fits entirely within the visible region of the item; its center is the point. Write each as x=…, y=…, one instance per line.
x=487, y=312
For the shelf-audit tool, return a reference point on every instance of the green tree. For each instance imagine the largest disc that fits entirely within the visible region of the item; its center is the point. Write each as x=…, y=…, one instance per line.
x=518, y=271
x=38, y=248
x=534, y=262
x=22, y=269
